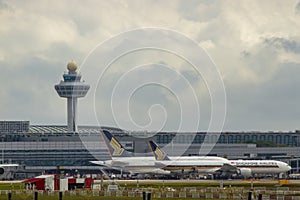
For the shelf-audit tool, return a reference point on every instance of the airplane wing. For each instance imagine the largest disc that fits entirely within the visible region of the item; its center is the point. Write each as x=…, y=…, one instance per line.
x=104, y=166
x=118, y=163
x=112, y=163
x=98, y=162
x=150, y=171
x=122, y=165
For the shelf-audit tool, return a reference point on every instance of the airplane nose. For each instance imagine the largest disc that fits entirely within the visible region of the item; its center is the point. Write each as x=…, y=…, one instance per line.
x=286, y=167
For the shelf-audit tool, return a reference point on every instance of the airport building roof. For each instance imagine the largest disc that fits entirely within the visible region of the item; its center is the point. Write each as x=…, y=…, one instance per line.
x=25, y=127
x=64, y=129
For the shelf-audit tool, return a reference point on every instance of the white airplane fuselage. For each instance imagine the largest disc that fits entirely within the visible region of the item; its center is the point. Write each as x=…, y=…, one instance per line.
x=262, y=166
x=200, y=164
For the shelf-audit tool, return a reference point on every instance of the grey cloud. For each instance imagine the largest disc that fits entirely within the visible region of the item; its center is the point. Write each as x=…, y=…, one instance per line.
x=297, y=7
x=272, y=105
x=5, y=7
x=190, y=75
x=33, y=56
x=286, y=44
x=151, y=95
x=198, y=11
x=29, y=93
x=62, y=52
x=245, y=53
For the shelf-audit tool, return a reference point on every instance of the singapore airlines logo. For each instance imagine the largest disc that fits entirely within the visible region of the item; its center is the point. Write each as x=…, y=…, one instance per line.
x=160, y=155
x=118, y=150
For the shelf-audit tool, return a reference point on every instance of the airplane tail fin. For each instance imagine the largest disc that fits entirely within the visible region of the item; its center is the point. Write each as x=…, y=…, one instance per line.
x=114, y=147
x=158, y=153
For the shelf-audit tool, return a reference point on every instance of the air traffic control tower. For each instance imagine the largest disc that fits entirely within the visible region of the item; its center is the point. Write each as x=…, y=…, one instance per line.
x=72, y=88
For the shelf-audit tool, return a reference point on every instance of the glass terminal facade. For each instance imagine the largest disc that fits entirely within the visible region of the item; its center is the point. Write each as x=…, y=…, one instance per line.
x=280, y=138
x=14, y=126
x=52, y=146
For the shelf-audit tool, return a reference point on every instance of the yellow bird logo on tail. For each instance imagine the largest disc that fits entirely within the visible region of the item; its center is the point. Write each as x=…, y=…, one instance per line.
x=160, y=155
x=118, y=150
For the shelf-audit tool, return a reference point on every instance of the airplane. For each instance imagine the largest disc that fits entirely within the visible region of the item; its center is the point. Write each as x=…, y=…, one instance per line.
x=160, y=163
x=3, y=167
x=123, y=160
x=248, y=168
x=191, y=164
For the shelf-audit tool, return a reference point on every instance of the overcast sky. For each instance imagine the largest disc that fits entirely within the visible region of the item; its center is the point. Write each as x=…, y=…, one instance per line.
x=255, y=45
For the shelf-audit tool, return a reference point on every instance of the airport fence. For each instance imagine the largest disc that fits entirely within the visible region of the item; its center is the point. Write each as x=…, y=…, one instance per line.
x=139, y=193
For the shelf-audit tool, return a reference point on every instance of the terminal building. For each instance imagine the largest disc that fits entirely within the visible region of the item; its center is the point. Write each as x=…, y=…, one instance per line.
x=40, y=148
x=47, y=147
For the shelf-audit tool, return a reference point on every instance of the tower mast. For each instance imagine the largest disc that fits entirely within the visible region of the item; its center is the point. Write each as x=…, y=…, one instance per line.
x=72, y=88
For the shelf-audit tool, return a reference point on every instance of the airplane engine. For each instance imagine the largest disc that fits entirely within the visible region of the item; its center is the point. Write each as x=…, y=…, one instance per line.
x=160, y=171
x=245, y=172
x=1, y=170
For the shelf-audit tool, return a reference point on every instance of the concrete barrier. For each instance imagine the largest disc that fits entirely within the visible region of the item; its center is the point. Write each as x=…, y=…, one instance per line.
x=130, y=194
x=209, y=196
x=195, y=195
x=169, y=194
x=266, y=197
x=157, y=195
x=222, y=196
x=182, y=194
x=119, y=193
x=284, y=194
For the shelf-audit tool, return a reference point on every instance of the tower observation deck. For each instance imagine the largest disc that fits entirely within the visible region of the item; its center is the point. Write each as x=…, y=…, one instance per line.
x=71, y=87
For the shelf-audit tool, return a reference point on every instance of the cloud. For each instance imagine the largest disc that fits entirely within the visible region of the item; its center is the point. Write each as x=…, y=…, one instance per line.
x=266, y=103
x=199, y=11
x=254, y=44
x=283, y=43
x=297, y=7
x=5, y=7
